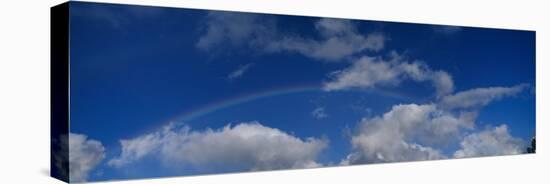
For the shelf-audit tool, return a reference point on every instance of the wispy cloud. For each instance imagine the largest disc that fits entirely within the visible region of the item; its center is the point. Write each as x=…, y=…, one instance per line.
x=319, y=113
x=338, y=39
x=233, y=29
x=479, y=97
x=239, y=71
x=369, y=72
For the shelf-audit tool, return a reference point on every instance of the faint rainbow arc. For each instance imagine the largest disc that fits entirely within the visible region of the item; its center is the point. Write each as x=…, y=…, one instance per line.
x=240, y=99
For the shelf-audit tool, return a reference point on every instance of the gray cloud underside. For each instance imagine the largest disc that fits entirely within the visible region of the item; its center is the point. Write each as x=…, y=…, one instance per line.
x=245, y=145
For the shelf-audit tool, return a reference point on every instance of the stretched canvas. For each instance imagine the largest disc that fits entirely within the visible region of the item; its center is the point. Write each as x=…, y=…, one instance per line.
x=145, y=92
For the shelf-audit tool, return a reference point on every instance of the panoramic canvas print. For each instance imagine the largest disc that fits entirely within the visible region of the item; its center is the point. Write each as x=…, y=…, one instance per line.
x=141, y=92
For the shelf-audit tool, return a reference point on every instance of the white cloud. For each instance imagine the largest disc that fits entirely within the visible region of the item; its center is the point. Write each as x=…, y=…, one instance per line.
x=250, y=146
x=405, y=133
x=239, y=72
x=364, y=73
x=138, y=148
x=337, y=40
x=491, y=142
x=479, y=97
x=319, y=113
x=84, y=155
x=411, y=132
x=369, y=72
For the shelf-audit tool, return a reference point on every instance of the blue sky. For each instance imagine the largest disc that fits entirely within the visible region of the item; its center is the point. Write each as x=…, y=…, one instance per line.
x=152, y=89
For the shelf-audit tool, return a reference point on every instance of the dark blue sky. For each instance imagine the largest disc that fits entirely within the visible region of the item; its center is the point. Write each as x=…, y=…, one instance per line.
x=134, y=69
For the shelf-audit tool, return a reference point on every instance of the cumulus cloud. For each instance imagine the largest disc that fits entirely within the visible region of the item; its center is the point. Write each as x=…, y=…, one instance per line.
x=337, y=39
x=319, y=113
x=84, y=155
x=369, y=72
x=490, y=142
x=479, y=97
x=412, y=132
x=239, y=72
x=250, y=146
x=405, y=133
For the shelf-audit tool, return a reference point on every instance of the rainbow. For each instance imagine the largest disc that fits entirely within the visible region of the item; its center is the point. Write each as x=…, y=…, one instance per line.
x=244, y=98
x=208, y=108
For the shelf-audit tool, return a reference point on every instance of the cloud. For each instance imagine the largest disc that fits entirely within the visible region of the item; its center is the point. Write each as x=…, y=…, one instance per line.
x=412, y=132
x=490, y=142
x=234, y=29
x=319, y=113
x=84, y=155
x=239, y=72
x=404, y=152
x=405, y=133
x=370, y=72
x=248, y=146
x=479, y=97
x=337, y=39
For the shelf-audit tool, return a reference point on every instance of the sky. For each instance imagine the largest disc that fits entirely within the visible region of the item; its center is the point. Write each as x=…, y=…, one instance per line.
x=175, y=92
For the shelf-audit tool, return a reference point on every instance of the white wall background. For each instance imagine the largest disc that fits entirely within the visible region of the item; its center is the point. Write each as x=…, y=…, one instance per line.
x=24, y=90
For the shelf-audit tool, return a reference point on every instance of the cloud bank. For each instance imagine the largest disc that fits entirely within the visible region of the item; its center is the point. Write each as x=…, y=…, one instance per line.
x=413, y=132
x=248, y=145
